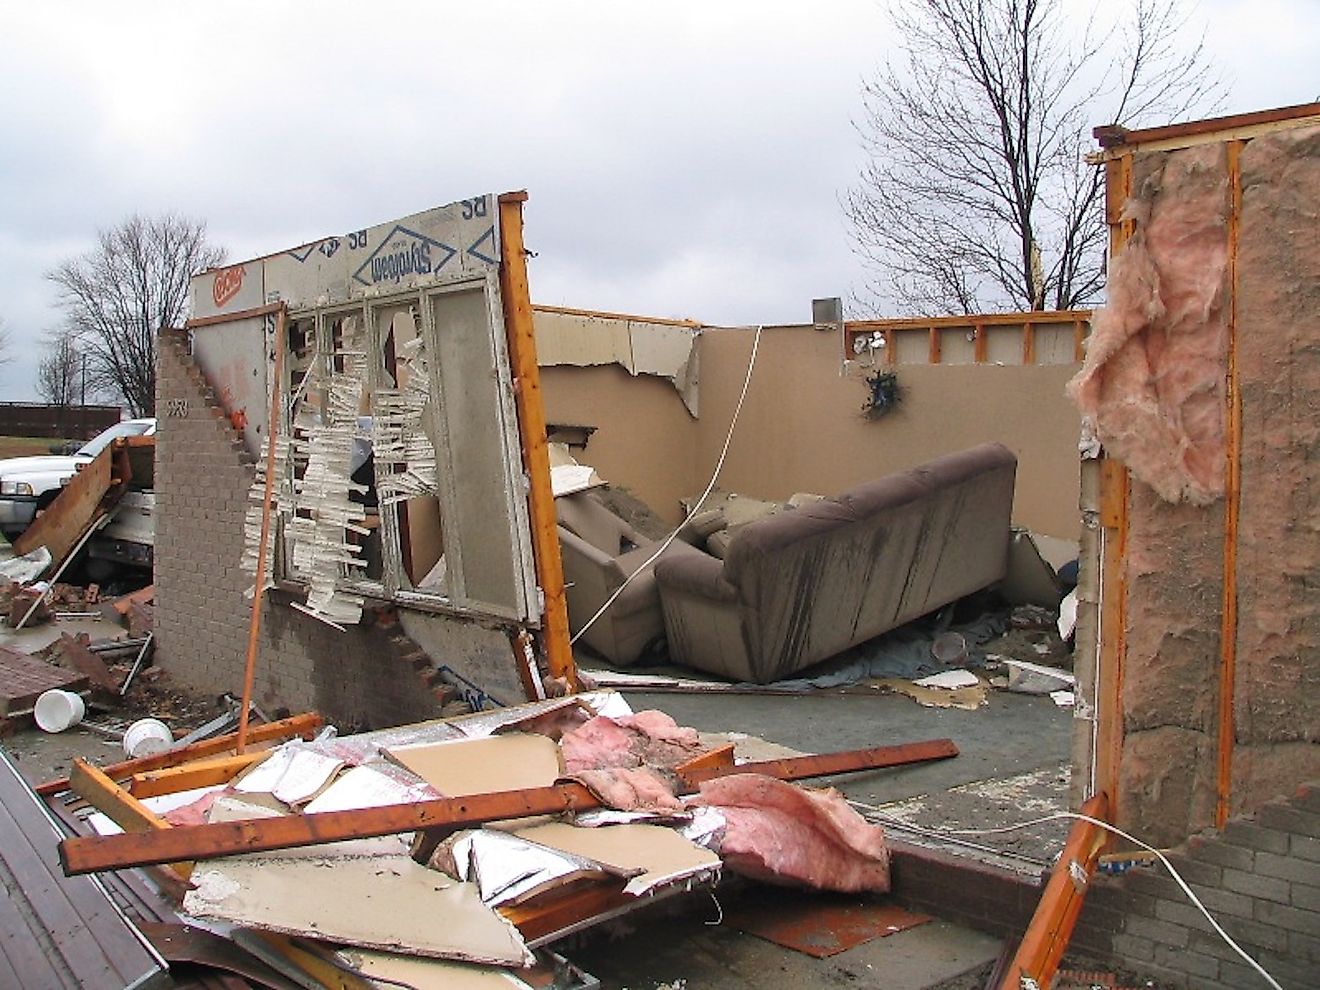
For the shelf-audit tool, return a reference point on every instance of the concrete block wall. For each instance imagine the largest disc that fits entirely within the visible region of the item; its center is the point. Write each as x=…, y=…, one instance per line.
x=357, y=678
x=1259, y=877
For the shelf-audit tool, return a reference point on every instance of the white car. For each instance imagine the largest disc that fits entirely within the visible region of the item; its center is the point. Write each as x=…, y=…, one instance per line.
x=31, y=483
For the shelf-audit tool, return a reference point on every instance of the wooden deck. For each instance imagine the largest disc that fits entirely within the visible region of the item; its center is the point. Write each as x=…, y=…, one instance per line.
x=58, y=931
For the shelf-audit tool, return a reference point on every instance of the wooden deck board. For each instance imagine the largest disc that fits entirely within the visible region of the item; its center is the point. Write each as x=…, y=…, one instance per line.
x=72, y=921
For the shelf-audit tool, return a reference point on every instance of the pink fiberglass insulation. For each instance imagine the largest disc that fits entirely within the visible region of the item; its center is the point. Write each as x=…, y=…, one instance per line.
x=648, y=738
x=783, y=834
x=1153, y=379
x=630, y=789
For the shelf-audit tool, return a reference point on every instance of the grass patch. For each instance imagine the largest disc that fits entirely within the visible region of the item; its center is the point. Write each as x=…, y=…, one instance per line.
x=26, y=446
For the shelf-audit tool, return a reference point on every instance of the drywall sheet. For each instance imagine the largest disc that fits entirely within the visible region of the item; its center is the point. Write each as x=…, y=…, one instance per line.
x=510, y=762
x=378, y=902
x=1153, y=380
x=234, y=357
x=664, y=854
x=664, y=349
x=430, y=974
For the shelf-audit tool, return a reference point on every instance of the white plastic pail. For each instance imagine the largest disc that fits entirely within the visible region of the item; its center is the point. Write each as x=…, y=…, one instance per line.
x=58, y=710
x=147, y=737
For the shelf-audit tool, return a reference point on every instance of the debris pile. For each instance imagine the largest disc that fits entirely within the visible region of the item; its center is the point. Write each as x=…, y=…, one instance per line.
x=473, y=841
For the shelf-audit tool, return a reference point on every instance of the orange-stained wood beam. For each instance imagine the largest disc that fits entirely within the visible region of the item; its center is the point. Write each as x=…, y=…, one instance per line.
x=241, y=314
x=979, y=348
x=521, y=336
x=1051, y=926
x=122, y=808
x=263, y=547
x=87, y=854
x=202, y=773
x=1226, y=732
x=1028, y=344
x=304, y=725
x=721, y=756
x=934, y=356
x=825, y=764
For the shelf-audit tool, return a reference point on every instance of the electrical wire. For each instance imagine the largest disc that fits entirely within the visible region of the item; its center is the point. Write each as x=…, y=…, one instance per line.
x=719, y=466
x=1196, y=901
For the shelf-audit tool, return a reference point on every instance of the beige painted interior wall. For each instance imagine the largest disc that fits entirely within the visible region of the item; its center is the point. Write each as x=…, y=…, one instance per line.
x=802, y=429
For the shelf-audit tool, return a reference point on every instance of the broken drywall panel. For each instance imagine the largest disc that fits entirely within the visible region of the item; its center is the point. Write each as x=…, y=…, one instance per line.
x=664, y=855
x=510, y=762
x=641, y=347
x=508, y=869
x=1153, y=380
x=394, y=969
x=378, y=902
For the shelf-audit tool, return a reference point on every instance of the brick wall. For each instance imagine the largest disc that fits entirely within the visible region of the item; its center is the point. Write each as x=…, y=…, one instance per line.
x=362, y=677
x=1259, y=877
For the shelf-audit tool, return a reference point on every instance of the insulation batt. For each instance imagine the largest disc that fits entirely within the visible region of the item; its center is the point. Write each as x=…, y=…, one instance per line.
x=649, y=738
x=1153, y=379
x=779, y=833
x=630, y=789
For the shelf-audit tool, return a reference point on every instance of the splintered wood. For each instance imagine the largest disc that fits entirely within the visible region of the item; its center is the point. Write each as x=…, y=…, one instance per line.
x=405, y=457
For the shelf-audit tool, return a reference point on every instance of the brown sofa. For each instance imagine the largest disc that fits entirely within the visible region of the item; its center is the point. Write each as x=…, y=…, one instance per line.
x=599, y=550
x=802, y=585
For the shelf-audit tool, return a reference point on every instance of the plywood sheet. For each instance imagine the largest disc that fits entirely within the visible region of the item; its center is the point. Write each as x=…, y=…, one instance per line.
x=511, y=762
x=378, y=902
x=662, y=853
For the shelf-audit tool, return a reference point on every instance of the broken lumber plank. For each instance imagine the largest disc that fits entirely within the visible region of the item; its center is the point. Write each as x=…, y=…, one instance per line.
x=122, y=808
x=1051, y=926
x=62, y=523
x=304, y=725
x=201, y=773
x=825, y=764
x=123, y=603
x=721, y=756
x=87, y=854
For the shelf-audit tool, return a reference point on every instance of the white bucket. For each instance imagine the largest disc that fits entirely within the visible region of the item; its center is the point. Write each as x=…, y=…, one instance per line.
x=58, y=710
x=147, y=737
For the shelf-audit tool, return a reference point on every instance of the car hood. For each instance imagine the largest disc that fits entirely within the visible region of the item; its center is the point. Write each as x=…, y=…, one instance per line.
x=18, y=466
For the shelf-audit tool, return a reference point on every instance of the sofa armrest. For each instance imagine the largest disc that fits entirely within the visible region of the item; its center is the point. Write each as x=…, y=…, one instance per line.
x=695, y=574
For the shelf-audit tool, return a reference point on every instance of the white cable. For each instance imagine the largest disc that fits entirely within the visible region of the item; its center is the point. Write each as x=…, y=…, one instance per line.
x=1150, y=849
x=719, y=465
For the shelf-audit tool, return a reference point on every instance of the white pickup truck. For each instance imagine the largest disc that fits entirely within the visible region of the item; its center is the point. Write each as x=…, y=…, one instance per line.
x=28, y=484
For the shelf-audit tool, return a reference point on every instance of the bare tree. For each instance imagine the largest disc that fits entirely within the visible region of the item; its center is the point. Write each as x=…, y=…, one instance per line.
x=976, y=194
x=118, y=295
x=59, y=378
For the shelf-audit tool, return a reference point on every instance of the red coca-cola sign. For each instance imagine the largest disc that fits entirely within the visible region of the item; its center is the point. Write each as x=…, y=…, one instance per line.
x=227, y=284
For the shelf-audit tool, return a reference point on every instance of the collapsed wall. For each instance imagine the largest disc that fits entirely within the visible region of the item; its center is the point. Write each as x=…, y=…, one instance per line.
x=1217, y=283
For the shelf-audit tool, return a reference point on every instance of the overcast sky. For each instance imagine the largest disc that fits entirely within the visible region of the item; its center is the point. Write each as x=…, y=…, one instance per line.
x=683, y=159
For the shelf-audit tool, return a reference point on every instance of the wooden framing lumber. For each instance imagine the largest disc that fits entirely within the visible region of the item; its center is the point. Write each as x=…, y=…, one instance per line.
x=521, y=336
x=304, y=725
x=1051, y=926
x=825, y=764
x=203, y=773
x=722, y=756
x=88, y=854
x=123, y=809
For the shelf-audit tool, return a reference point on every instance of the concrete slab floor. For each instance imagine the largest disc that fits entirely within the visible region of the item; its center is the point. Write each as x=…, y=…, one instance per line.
x=1012, y=763
x=686, y=948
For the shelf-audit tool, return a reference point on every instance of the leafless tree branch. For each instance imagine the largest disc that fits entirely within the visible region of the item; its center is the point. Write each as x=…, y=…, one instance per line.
x=976, y=195
x=117, y=296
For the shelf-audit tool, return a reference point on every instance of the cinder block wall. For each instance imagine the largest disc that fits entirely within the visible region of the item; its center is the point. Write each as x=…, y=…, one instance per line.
x=357, y=678
x=1259, y=877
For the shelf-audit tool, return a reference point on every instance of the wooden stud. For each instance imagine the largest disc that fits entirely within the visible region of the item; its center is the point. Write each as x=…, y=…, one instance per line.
x=1226, y=730
x=304, y=725
x=263, y=547
x=87, y=854
x=891, y=348
x=979, y=343
x=242, y=314
x=531, y=425
x=722, y=757
x=1028, y=343
x=934, y=356
x=203, y=773
x=1079, y=340
x=122, y=808
x=1051, y=927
